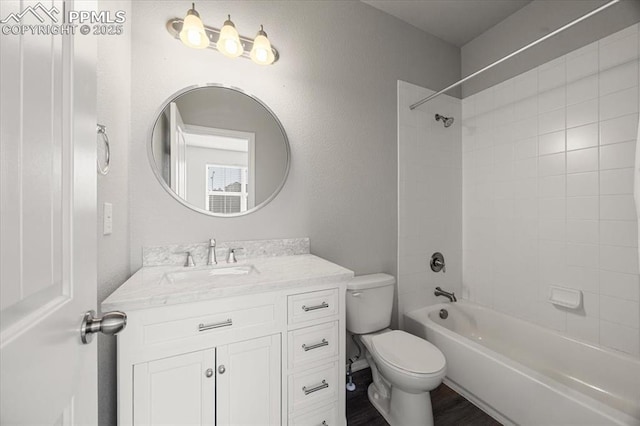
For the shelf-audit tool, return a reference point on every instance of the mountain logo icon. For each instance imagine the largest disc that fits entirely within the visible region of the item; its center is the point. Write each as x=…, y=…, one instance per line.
x=36, y=11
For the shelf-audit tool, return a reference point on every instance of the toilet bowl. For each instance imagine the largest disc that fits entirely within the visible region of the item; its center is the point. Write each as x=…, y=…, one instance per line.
x=405, y=368
x=407, y=361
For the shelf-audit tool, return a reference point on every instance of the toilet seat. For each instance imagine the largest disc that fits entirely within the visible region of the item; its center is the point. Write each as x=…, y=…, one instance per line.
x=401, y=350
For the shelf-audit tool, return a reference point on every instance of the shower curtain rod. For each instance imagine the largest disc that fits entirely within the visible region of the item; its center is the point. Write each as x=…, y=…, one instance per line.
x=512, y=54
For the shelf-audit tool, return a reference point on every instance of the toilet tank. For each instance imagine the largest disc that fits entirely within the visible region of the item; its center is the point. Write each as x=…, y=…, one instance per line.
x=369, y=303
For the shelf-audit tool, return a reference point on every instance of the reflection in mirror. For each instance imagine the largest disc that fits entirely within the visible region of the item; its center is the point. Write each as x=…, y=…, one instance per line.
x=219, y=151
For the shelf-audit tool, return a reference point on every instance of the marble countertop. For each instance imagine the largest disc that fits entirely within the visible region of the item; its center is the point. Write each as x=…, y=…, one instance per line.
x=154, y=286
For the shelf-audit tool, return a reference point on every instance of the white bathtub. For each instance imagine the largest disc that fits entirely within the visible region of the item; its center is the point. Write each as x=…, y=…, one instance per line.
x=524, y=374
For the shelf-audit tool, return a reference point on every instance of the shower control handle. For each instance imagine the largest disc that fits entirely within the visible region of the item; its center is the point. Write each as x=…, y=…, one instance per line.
x=437, y=262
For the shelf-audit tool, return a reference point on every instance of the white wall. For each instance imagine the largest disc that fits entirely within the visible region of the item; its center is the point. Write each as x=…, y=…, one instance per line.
x=429, y=197
x=548, y=162
x=334, y=89
x=533, y=21
x=114, y=111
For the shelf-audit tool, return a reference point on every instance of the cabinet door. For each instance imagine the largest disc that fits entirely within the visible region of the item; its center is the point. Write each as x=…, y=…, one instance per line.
x=248, y=382
x=175, y=391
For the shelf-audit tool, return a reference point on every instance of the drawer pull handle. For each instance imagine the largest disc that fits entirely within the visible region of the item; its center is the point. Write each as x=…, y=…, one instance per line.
x=323, y=305
x=315, y=388
x=315, y=345
x=204, y=327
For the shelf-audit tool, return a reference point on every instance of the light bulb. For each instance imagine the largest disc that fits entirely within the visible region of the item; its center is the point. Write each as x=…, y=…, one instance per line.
x=194, y=37
x=192, y=33
x=229, y=41
x=231, y=46
x=261, y=53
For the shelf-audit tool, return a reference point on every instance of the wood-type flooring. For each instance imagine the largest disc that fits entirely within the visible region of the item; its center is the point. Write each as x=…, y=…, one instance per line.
x=449, y=408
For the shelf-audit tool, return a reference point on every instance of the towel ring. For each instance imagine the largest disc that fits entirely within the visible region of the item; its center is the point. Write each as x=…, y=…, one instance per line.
x=103, y=170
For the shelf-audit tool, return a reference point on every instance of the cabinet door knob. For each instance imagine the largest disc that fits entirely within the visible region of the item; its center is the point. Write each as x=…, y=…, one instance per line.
x=221, y=369
x=209, y=372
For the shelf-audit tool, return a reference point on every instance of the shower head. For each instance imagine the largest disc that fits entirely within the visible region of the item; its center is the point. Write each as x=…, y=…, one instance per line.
x=447, y=121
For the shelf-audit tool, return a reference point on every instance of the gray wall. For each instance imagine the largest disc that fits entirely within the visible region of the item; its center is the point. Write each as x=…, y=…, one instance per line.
x=334, y=89
x=533, y=21
x=114, y=110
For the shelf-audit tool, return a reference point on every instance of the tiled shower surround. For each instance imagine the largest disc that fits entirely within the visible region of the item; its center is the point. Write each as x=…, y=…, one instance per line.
x=548, y=160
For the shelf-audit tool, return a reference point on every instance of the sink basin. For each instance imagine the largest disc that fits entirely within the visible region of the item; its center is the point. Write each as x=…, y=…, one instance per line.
x=207, y=274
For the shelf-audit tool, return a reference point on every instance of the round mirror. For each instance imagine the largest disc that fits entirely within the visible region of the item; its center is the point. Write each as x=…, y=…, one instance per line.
x=219, y=151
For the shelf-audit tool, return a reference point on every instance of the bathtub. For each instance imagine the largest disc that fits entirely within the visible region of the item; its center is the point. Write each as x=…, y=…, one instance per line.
x=524, y=374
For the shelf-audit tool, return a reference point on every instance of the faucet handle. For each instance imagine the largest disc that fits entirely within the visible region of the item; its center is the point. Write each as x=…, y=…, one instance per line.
x=189, y=263
x=437, y=263
x=231, y=258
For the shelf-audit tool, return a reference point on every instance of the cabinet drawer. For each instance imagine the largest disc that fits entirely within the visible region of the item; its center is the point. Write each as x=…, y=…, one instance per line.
x=313, y=343
x=313, y=386
x=326, y=415
x=313, y=305
x=207, y=324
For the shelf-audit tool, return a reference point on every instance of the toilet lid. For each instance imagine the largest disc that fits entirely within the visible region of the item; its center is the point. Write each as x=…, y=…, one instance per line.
x=408, y=352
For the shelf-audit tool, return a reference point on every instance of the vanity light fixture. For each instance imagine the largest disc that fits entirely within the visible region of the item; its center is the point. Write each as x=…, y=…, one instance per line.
x=193, y=33
x=261, y=52
x=229, y=41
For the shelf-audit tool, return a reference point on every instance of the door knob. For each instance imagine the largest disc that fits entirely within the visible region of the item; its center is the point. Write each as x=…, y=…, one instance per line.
x=111, y=323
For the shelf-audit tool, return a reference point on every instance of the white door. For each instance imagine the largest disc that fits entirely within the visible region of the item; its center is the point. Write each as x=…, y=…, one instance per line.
x=178, y=152
x=179, y=390
x=248, y=383
x=47, y=221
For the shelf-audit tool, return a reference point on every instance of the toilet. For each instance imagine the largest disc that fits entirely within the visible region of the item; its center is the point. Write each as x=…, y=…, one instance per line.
x=405, y=368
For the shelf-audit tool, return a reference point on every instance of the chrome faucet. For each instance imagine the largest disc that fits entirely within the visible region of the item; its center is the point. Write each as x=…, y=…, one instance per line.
x=440, y=292
x=189, y=262
x=212, y=260
x=231, y=258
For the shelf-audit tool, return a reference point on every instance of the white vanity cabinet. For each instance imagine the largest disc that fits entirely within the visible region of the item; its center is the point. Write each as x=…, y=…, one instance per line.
x=270, y=355
x=175, y=390
x=237, y=383
x=315, y=374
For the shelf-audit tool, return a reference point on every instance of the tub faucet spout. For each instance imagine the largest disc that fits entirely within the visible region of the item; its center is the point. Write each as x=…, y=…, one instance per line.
x=451, y=296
